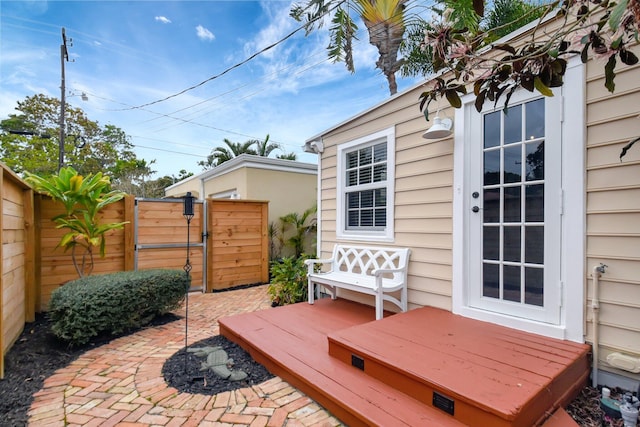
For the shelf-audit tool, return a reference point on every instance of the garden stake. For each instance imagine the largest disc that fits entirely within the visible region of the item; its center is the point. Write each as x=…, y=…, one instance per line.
x=187, y=212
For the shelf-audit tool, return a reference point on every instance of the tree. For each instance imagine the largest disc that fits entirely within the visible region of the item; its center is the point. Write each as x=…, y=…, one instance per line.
x=220, y=155
x=385, y=22
x=29, y=140
x=83, y=198
x=588, y=28
x=264, y=148
x=287, y=156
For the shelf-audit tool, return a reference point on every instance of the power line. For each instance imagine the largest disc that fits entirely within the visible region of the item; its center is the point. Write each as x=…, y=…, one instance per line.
x=239, y=64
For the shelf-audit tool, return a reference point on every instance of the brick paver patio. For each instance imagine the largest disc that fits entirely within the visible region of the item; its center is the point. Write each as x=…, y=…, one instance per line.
x=121, y=383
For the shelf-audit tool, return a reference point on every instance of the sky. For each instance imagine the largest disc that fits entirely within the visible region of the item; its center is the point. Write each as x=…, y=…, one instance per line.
x=126, y=54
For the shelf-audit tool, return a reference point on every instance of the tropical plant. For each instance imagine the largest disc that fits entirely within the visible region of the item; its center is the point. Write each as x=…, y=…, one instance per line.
x=83, y=198
x=302, y=226
x=223, y=154
x=288, y=281
x=385, y=22
x=604, y=29
x=287, y=156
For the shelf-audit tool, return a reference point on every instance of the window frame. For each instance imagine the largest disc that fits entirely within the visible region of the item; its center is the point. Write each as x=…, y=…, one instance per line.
x=387, y=233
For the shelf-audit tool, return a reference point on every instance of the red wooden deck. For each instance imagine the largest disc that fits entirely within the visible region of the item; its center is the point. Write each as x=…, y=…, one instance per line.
x=486, y=375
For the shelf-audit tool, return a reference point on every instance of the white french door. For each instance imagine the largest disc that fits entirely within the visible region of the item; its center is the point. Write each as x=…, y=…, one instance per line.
x=514, y=207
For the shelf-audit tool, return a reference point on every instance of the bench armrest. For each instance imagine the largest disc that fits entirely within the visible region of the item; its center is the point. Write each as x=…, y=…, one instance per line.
x=381, y=271
x=312, y=262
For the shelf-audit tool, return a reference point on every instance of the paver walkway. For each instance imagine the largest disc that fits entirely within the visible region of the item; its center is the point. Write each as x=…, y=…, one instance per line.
x=121, y=383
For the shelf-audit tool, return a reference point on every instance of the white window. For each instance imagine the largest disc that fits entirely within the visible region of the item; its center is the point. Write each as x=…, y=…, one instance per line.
x=366, y=187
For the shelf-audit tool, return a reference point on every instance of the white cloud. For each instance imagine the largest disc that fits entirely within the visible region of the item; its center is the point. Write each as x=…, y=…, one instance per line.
x=204, y=34
x=163, y=19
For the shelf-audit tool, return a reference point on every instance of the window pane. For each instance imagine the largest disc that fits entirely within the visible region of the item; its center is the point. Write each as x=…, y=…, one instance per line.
x=365, y=156
x=366, y=199
x=380, y=152
x=381, y=197
x=491, y=280
x=535, y=161
x=491, y=243
x=380, y=173
x=513, y=164
x=353, y=200
x=534, y=286
x=512, y=204
x=365, y=176
x=352, y=159
x=492, y=129
x=352, y=178
x=511, y=279
x=492, y=167
x=534, y=203
x=366, y=218
x=352, y=219
x=535, y=119
x=381, y=217
x=491, y=205
x=512, y=244
x=513, y=125
x=534, y=245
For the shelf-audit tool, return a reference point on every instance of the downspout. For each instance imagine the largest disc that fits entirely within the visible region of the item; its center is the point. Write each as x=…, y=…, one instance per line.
x=595, y=307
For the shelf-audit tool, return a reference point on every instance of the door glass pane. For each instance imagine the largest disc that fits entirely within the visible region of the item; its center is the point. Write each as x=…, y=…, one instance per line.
x=534, y=245
x=492, y=205
x=533, y=288
x=534, y=203
x=511, y=280
x=512, y=244
x=492, y=167
x=492, y=129
x=513, y=125
x=513, y=164
x=512, y=204
x=535, y=161
x=535, y=119
x=513, y=229
x=491, y=280
x=491, y=243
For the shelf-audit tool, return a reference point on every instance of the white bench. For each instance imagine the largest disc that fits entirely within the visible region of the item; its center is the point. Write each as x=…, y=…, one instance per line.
x=372, y=270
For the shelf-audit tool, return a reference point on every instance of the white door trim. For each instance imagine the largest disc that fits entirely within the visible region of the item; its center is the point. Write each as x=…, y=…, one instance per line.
x=573, y=221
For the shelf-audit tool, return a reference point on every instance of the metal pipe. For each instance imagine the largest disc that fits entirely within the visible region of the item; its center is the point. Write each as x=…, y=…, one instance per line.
x=595, y=307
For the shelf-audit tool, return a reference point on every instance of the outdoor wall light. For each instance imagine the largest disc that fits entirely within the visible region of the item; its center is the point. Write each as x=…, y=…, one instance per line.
x=187, y=210
x=441, y=128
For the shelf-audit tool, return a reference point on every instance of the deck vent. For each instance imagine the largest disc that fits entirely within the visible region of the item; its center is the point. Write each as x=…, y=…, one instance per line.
x=443, y=402
x=357, y=361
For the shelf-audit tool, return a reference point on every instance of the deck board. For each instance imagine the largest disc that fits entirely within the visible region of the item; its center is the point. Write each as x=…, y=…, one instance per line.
x=498, y=376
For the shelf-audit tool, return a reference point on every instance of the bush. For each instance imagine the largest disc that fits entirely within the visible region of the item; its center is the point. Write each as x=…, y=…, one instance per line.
x=288, y=281
x=114, y=303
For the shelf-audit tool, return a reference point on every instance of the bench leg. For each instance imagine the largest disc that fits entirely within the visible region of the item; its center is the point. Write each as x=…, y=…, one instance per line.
x=403, y=298
x=379, y=305
x=310, y=291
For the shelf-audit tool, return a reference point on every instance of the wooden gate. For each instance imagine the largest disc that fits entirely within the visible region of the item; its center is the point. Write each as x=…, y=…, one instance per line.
x=238, y=244
x=160, y=237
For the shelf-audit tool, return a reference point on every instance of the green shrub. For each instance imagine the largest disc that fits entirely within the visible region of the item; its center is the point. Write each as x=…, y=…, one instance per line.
x=288, y=281
x=114, y=303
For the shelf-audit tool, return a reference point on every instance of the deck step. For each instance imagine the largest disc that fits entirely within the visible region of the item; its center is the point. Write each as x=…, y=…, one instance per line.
x=480, y=373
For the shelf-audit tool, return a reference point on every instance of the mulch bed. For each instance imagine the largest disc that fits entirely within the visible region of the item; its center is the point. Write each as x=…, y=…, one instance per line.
x=37, y=354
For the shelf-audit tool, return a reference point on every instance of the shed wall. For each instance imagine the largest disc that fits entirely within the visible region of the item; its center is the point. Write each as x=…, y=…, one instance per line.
x=613, y=209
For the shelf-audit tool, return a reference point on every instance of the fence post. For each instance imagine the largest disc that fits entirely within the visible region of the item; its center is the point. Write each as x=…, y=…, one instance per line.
x=128, y=234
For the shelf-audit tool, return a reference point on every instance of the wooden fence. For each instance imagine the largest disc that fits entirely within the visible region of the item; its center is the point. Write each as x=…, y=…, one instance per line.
x=17, y=291
x=228, y=247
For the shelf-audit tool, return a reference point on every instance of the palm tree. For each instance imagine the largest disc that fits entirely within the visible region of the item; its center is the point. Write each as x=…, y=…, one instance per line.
x=220, y=155
x=385, y=22
x=287, y=156
x=264, y=148
x=303, y=225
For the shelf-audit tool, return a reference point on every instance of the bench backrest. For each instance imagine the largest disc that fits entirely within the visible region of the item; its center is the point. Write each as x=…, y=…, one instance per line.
x=365, y=259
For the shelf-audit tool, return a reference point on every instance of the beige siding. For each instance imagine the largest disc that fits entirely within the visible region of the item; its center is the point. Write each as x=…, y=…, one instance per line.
x=613, y=209
x=423, y=203
x=287, y=192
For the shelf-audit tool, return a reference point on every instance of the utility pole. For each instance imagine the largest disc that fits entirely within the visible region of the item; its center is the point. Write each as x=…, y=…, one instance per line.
x=64, y=56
